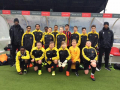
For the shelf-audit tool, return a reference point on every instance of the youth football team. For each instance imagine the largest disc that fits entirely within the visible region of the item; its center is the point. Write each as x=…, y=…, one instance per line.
x=58, y=49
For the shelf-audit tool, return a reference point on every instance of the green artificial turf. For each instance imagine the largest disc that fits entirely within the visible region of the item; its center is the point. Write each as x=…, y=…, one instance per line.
x=105, y=80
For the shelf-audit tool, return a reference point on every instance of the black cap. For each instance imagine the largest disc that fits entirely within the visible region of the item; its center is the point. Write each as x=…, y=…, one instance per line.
x=16, y=20
x=106, y=23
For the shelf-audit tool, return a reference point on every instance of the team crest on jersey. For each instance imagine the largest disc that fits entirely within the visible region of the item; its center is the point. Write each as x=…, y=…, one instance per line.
x=92, y=51
x=50, y=37
x=63, y=38
x=76, y=36
x=108, y=32
x=54, y=53
x=95, y=36
x=30, y=37
x=39, y=34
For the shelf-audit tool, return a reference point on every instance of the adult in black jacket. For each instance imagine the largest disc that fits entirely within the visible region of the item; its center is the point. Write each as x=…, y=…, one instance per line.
x=106, y=38
x=15, y=32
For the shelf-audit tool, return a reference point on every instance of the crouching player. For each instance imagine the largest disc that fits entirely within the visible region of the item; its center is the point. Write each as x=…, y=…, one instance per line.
x=37, y=55
x=22, y=58
x=90, y=58
x=75, y=56
x=65, y=57
x=51, y=57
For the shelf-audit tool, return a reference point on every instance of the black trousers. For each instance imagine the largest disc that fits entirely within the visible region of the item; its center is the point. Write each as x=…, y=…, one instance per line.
x=107, y=52
x=23, y=65
x=13, y=52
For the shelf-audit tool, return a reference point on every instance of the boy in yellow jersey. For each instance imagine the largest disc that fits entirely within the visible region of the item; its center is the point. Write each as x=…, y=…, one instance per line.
x=38, y=33
x=22, y=58
x=75, y=56
x=48, y=37
x=90, y=57
x=93, y=36
x=37, y=55
x=55, y=32
x=51, y=57
x=76, y=35
x=60, y=37
x=64, y=58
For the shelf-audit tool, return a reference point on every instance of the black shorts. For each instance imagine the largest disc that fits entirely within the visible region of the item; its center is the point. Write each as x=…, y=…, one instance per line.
x=86, y=64
x=36, y=64
x=22, y=63
x=50, y=65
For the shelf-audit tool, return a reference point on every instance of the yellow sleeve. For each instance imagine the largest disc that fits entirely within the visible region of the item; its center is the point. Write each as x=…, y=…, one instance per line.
x=53, y=37
x=56, y=41
x=22, y=39
x=42, y=37
x=69, y=57
x=32, y=56
x=96, y=58
x=43, y=55
x=18, y=62
x=33, y=41
x=84, y=56
x=57, y=57
x=78, y=54
x=65, y=38
x=79, y=41
x=27, y=56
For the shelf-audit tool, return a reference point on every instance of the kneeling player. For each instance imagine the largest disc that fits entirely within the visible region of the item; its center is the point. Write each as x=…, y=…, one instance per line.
x=90, y=58
x=37, y=55
x=22, y=58
x=51, y=57
x=75, y=56
x=65, y=57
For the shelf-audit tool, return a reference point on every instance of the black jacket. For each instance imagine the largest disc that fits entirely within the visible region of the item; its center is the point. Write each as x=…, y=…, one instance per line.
x=16, y=33
x=106, y=38
x=84, y=38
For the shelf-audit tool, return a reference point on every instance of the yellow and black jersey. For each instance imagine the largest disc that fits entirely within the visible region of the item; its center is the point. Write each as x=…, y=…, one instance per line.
x=64, y=54
x=45, y=33
x=59, y=38
x=89, y=53
x=47, y=38
x=55, y=33
x=93, y=37
x=84, y=38
x=26, y=56
x=76, y=36
x=51, y=53
x=28, y=40
x=38, y=35
x=37, y=54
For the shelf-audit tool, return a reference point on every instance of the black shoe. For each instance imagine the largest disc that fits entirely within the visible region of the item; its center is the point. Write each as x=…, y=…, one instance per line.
x=76, y=73
x=107, y=68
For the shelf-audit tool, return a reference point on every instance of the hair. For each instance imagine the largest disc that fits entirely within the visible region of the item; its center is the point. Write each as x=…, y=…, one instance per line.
x=63, y=42
x=67, y=25
x=55, y=25
x=61, y=27
x=22, y=47
x=45, y=27
x=93, y=26
x=74, y=40
x=38, y=42
x=50, y=27
x=51, y=42
x=28, y=26
x=37, y=24
x=83, y=28
x=88, y=41
x=75, y=27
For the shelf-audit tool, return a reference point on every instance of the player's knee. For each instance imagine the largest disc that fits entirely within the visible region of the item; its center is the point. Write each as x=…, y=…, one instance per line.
x=93, y=64
x=49, y=69
x=55, y=61
x=86, y=72
x=39, y=62
x=35, y=68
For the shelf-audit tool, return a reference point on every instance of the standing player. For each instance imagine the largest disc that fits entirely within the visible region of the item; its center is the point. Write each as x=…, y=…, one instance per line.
x=68, y=34
x=75, y=56
x=37, y=55
x=65, y=58
x=60, y=37
x=55, y=32
x=76, y=35
x=93, y=36
x=38, y=33
x=90, y=57
x=48, y=37
x=46, y=30
x=51, y=57
x=22, y=58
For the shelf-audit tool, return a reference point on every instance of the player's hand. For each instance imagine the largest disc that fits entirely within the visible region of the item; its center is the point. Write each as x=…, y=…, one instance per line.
x=32, y=60
x=19, y=57
x=92, y=60
x=20, y=73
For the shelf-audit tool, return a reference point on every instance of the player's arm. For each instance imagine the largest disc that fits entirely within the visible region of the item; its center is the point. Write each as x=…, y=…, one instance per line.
x=27, y=56
x=97, y=41
x=33, y=41
x=69, y=55
x=57, y=57
x=96, y=58
x=43, y=55
x=22, y=39
x=84, y=56
x=18, y=62
x=79, y=41
x=42, y=37
x=31, y=54
x=56, y=41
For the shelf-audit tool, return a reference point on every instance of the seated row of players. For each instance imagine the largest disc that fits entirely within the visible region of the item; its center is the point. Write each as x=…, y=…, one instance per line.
x=53, y=56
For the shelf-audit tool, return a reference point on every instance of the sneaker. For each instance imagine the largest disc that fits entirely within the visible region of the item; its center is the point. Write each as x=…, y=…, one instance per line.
x=81, y=66
x=76, y=73
x=67, y=73
x=13, y=65
x=25, y=71
x=92, y=77
x=107, y=68
x=53, y=73
x=98, y=69
x=39, y=72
